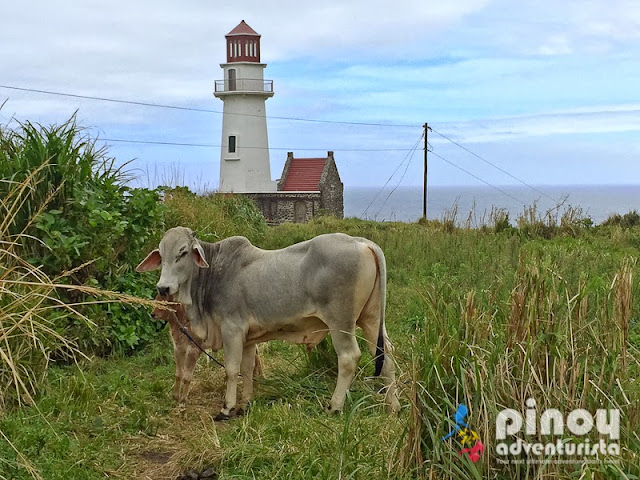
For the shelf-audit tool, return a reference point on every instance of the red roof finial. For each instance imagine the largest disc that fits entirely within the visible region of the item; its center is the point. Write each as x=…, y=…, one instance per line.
x=243, y=29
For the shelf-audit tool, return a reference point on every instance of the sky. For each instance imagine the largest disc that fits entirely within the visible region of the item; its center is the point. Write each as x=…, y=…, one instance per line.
x=538, y=92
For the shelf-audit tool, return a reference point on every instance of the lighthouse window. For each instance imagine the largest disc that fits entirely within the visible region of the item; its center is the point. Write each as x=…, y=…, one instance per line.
x=232, y=79
x=232, y=144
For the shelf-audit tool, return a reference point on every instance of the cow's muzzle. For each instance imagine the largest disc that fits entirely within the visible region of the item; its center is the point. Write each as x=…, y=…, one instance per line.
x=163, y=291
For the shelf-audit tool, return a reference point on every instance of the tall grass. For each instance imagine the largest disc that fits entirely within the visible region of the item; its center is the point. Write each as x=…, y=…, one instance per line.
x=37, y=165
x=563, y=343
x=214, y=216
x=73, y=212
x=72, y=157
x=492, y=319
x=30, y=304
x=487, y=317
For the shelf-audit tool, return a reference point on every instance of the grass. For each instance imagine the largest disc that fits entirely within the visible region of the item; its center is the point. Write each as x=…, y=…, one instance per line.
x=476, y=316
x=30, y=341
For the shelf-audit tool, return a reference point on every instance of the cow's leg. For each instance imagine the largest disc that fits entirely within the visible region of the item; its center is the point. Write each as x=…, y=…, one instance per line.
x=191, y=360
x=346, y=348
x=246, y=370
x=179, y=355
x=370, y=328
x=233, y=349
x=257, y=371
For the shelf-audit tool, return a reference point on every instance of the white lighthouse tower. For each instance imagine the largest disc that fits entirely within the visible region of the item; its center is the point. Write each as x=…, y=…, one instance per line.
x=244, y=156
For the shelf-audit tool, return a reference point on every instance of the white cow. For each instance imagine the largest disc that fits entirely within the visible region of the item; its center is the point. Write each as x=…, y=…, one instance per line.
x=245, y=295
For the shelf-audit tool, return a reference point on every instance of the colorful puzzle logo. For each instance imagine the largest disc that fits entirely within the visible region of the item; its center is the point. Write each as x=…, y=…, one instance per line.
x=467, y=437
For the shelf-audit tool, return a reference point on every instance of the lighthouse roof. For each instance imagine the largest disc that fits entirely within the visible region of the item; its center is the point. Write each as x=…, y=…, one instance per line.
x=243, y=29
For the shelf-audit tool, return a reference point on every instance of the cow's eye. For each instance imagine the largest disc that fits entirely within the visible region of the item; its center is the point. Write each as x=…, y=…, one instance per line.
x=181, y=255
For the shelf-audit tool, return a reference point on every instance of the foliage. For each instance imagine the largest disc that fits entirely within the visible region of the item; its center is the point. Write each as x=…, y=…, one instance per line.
x=475, y=316
x=488, y=316
x=214, y=216
x=32, y=312
x=72, y=158
x=78, y=215
x=628, y=220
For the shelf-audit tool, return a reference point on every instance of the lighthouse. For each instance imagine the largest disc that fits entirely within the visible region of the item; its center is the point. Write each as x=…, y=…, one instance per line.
x=244, y=155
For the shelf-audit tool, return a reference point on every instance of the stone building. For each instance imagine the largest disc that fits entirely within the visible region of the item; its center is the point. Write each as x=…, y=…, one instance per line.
x=307, y=187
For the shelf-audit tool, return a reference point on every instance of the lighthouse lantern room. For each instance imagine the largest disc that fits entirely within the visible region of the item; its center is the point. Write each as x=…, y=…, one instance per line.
x=244, y=156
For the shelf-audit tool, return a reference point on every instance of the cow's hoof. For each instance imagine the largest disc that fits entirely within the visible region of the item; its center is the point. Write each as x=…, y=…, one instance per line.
x=234, y=412
x=221, y=417
x=331, y=411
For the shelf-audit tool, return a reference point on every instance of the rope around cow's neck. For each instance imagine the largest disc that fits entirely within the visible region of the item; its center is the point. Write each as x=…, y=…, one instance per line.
x=184, y=330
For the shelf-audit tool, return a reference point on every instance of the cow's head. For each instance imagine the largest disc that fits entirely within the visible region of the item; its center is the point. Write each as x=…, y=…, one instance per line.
x=178, y=255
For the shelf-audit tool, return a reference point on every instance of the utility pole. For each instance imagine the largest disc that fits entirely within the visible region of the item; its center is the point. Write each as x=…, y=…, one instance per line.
x=424, y=191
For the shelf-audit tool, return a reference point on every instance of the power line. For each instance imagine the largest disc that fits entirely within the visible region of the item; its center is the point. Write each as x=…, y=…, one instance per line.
x=399, y=181
x=389, y=179
x=210, y=145
x=299, y=119
x=494, y=166
x=200, y=110
x=478, y=178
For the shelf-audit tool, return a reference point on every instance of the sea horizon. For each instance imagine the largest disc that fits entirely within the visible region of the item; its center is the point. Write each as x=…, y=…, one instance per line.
x=404, y=204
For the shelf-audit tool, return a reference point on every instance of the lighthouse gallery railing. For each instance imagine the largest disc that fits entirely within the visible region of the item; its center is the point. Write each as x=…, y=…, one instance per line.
x=244, y=85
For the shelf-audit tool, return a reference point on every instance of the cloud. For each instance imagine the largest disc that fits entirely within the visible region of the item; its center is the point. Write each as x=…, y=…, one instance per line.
x=557, y=28
x=582, y=121
x=487, y=71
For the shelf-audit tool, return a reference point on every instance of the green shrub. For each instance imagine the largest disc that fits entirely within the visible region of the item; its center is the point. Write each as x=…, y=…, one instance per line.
x=628, y=220
x=80, y=216
x=214, y=216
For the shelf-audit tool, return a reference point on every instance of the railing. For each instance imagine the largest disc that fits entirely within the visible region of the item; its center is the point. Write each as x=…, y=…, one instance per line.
x=244, y=85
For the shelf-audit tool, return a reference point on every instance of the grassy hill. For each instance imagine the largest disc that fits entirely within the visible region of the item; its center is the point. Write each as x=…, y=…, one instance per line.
x=487, y=317
x=476, y=317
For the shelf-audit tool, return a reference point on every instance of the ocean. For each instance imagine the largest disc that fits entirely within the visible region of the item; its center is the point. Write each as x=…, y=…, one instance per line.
x=597, y=202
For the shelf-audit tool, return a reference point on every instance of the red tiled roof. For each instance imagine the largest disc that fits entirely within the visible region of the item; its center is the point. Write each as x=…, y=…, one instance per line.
x=243, y=29
x=304, y=174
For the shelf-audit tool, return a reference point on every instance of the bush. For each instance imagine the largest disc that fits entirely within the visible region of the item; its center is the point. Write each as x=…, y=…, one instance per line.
x=81, y=217
x=215, y=215
x=628, y=220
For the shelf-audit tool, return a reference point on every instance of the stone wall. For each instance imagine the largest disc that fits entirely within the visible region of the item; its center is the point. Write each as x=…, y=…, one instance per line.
x=332, y=189
x=281, y=207
x=285, y=170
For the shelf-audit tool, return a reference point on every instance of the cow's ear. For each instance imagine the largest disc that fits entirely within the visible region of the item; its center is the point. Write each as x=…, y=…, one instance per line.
x=153, y=261
x=198, y=256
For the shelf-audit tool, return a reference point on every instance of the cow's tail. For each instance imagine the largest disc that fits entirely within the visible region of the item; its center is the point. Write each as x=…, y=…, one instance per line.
x=381, y=266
